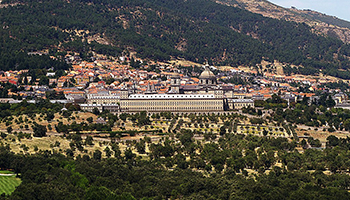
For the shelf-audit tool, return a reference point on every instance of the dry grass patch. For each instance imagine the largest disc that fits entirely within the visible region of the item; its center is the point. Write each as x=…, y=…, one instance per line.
x=52, y=143
x=77, y=117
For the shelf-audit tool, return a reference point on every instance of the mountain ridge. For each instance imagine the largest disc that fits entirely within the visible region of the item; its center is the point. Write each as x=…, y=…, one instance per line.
x=321, y=23
x=197, y=30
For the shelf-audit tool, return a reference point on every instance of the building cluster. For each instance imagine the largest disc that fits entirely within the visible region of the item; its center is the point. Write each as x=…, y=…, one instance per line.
x=202, y=95
x=109, y=85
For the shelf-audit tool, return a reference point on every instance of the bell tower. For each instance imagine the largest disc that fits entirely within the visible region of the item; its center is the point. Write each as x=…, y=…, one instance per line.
x=124, y=93
x=175, y=84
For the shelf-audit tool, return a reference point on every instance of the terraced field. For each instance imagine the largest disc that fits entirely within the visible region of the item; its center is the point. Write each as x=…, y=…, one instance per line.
x=8, y=182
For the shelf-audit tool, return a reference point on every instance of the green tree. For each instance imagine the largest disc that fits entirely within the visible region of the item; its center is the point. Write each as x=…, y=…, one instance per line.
x=9, y=129
x=97, y=155
x=89, y=140
x=108, y=152
x=95, y=111
x=332, y=141
x=39, y=130
x=222, y=130
x=90, y=119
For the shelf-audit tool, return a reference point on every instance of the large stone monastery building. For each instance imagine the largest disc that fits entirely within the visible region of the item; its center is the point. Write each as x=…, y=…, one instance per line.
x=208, y=96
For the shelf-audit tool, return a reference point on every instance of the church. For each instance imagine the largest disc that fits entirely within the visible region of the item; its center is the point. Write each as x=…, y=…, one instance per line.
x=204, y=98
x=207, y=96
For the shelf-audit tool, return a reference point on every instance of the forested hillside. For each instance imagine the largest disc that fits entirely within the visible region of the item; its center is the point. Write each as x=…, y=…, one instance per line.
x=169, y=175
x=197, y=30
x=320, y=22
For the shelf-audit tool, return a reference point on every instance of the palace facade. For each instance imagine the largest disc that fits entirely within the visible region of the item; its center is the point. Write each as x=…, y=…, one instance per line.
x=171, y=102
x=207, y=96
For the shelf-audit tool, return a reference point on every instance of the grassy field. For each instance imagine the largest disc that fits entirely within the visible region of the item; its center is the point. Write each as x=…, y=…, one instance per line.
x=5, y=172
x=8, y=184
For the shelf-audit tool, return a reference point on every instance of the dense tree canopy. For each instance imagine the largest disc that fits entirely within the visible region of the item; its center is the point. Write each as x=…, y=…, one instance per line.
x=49, y=175
x=198, y=30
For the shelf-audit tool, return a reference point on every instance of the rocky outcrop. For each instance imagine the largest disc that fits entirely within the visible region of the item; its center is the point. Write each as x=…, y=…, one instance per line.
x=321, y=23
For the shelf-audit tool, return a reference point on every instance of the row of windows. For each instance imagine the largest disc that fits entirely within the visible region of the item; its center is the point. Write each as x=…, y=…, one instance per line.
x=244, y=104
x=116, y=98
x=170, y=96
x=171, y=103
x=105, y=102
x=172, y=108
x=113, y=109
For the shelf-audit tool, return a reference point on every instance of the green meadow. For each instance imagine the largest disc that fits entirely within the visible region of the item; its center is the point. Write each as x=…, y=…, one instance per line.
x=8, y=184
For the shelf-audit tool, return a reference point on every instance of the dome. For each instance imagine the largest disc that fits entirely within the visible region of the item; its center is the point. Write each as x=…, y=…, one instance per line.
x=207, y=74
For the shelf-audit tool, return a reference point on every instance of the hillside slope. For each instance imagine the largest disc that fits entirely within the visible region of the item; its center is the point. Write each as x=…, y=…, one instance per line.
x=197, y=30
x=322, y=23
